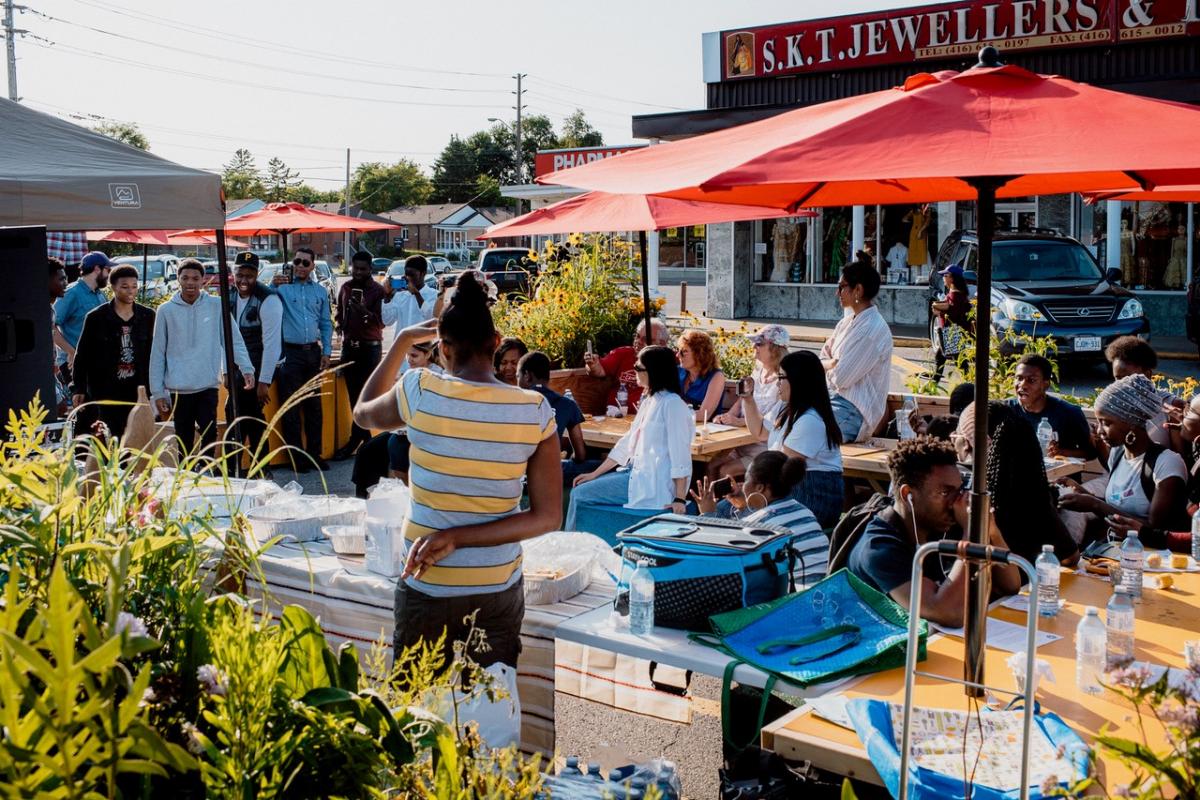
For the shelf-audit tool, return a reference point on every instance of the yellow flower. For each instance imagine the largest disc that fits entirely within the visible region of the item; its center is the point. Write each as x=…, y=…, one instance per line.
x=532, y=256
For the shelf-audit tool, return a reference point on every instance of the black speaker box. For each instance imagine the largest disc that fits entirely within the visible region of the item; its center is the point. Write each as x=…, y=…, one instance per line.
x=26, y=341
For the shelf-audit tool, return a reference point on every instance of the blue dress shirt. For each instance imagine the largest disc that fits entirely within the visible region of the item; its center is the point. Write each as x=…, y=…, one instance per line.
x=306, y=314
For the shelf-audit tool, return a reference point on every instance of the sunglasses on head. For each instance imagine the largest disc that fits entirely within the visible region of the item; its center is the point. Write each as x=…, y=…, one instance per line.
x=302, y=262
x=639, y=367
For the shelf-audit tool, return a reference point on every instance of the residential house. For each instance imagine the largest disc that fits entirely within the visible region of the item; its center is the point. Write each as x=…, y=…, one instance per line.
x=416, y=223
x=329, y=245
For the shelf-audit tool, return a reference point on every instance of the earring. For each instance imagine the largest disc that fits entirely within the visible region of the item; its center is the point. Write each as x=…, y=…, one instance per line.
x=1130, y=439
x=754, y=506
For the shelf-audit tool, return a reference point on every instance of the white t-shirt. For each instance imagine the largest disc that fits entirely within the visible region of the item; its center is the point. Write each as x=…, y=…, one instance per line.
x=807, y=437
x=1124, y=489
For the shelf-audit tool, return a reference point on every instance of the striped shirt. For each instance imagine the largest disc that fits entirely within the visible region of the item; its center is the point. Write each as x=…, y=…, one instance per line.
x=862, y=345
x=811, y=545
x=470, y=444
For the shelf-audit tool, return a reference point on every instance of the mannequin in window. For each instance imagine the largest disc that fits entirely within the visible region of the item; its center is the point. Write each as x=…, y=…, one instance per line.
x=897, y=256
x=1128, y=273
x=1176, y=272
x=918, y=242
x=786, y=237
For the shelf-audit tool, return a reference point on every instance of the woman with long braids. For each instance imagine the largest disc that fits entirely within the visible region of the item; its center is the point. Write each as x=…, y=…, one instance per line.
x=1023, y=502
x=472, y=440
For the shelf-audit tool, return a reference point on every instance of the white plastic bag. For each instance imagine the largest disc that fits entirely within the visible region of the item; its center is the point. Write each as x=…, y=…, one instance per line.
x=499, y=722
x=384, y=547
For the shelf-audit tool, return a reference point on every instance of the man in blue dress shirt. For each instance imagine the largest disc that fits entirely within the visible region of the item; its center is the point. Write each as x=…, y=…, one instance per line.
x=307, y=346
x=81, y=297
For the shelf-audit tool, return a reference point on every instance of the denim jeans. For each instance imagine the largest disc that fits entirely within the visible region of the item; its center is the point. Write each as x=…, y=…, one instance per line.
x=849, y=419
x=610, y=489
x=822, y=493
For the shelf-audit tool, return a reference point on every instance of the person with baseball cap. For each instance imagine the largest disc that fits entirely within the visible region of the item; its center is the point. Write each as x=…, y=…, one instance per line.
x=258, y=313
x=955, y=309
x=80, y=298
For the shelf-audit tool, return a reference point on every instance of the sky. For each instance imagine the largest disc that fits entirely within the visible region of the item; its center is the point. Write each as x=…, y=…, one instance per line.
x=303, y=80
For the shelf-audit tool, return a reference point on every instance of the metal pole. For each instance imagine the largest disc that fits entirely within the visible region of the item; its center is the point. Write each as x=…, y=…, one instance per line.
x=346, y=211
x=645, y=286
x=226, y=325
x=145, y=260
x=979, y=577
x=10, y=45
x=520, y=153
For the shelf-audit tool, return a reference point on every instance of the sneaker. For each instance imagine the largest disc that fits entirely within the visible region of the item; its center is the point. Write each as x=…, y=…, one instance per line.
x=322, y=464
x=342, y=453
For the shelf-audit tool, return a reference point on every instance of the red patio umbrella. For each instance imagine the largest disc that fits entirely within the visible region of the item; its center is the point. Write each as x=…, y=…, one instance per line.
x=1161, y=194
x=129, y=237
x=287, y=218
x=195, y=240
x=990, y=131
x=601, y=211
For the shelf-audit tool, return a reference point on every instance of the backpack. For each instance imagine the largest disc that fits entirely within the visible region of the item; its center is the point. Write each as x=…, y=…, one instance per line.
x=850, y=529
x=1153, y=451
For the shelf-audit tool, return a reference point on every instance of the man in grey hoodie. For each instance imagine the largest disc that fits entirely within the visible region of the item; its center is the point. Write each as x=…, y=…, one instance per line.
x=188, y=356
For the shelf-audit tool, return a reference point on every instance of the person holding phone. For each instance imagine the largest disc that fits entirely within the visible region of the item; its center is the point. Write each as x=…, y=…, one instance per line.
x=408, y=300
x=359, y=320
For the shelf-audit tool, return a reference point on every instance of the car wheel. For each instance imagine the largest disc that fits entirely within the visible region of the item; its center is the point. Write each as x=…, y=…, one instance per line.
x=933, y=337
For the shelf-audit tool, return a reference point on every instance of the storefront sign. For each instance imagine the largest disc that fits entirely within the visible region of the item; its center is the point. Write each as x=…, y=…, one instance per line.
x=949, y=30
x=547, y=161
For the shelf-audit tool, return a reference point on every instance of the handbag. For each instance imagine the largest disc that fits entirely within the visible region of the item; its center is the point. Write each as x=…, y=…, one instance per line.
x=705, y=565
x=951, y=338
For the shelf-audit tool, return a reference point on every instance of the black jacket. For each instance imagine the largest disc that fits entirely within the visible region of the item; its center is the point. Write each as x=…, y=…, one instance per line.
x=99, y=353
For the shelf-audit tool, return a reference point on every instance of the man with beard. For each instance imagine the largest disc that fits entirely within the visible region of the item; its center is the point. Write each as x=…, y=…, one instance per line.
x=80, y=298
x=113, y=356
x=359, y=320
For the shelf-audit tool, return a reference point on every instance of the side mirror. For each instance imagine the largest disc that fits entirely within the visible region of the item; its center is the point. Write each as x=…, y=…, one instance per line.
x=1113, y=275
x=970, y=275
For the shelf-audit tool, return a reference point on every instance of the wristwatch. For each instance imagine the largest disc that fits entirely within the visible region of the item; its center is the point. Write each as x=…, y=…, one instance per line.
x=679, y=500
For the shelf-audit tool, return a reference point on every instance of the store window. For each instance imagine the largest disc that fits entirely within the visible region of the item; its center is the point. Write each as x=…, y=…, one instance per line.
x=683, y=247
x=908, y=237
x=781, y=250
x=1153, y=243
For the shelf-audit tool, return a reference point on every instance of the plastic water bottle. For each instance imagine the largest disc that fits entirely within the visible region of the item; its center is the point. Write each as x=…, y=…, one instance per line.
x=1119, y=622
x=1090, y=646
x=1196, y=537
x=1047, y=567
x=1133, y=563
x=622, y=399
x=569, y=395
x=571, y=768
x=1045, y=435
x=641, y=600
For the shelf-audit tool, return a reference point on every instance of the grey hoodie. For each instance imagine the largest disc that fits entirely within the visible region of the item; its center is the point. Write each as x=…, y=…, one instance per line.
x=188, y=353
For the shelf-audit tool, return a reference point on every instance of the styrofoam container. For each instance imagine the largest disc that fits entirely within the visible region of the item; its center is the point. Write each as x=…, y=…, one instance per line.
x=385, y=547
x=347, y=540
x=301, y=519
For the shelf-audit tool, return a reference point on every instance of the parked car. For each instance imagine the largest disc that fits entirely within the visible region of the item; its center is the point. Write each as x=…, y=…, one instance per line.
x=160, y=273
x=322, y=274
x=509, y=268
x=1048, y=284
x=438, y=264
x=381, y=264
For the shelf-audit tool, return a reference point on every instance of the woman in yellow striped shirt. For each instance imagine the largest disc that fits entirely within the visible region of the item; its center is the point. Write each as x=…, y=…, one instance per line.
x=473, y=440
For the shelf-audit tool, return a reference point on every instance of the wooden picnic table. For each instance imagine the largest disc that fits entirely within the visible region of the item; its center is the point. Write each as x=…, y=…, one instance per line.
x=868, y=461
x=604, y=432
x=1166, y=619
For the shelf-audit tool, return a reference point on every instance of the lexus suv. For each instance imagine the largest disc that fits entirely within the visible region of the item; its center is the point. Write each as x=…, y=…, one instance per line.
x=1046, y=284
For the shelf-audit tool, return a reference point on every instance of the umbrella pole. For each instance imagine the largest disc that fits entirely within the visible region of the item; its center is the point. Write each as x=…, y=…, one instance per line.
x=978, y=574
x=226, y=327
x=145, y=260
x=645, y=285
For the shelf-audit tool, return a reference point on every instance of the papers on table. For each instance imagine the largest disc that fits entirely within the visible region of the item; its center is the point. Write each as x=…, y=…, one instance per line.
x=1020, y=602
x=709, y=428
x=831, y=707
x=1004, y=636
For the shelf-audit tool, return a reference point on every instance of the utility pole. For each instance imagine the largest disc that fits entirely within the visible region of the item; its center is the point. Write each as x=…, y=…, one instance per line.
x=10, y=45
x=520, y=152
x=346, y=210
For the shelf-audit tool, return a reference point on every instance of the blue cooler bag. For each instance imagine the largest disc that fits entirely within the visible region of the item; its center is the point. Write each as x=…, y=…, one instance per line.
x=705, y=565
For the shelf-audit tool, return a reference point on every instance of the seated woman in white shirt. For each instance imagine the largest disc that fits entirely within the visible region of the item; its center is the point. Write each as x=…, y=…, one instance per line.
x=858, y=355
x=802, y=423
x=656, y=453
x=1157, y=499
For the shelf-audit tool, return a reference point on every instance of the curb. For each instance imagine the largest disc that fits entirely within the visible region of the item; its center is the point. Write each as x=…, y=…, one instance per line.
x=810, y=338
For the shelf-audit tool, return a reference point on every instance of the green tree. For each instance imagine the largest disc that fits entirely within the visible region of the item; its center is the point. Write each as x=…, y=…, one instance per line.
x=578, y=132
x=454, y=173
x=126, y=132
x=380, y=187
x=280, y=180
x=537, y=133
x=308, y=195
x=487, y=192
x=239, y=178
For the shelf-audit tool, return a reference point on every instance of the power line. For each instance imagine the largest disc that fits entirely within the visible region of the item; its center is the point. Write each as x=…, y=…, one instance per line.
x=92, y=56
x=287, y=70
x=570, y=88
x=286, y=49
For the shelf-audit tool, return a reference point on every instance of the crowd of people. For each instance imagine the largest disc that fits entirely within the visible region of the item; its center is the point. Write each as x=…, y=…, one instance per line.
x=489, y=448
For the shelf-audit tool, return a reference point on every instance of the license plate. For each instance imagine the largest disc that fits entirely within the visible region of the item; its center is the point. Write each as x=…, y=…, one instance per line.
x=1087, y=344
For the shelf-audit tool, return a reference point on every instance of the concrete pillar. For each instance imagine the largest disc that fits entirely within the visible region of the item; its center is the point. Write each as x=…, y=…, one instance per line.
x=719, y=277
x=858, y=227
x=946, y=213
x=652, y=259
x=1112, y=233
x=743, y=267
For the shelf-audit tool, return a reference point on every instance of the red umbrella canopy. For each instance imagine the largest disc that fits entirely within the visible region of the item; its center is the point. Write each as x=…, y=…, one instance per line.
x=129, y=237
x=917, y=142
x=192, y=240
x=1162, y=194
x=296, y=218
x=601, y=211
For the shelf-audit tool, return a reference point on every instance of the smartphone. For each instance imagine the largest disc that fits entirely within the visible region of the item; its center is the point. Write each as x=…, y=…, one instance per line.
x=589, y=347
x=356, y=296
x=743, y=386
x=722, y=487
x=287, y=273
x=399, y=282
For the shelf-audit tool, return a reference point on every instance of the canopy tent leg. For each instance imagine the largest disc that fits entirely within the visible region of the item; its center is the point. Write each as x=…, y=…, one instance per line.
x=145, y=260
x=645, y=285
x=226, y=326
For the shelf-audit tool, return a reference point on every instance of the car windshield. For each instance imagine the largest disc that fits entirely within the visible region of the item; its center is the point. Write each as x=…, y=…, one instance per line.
x=495, y=261
x=154, y=266
x=1043, y=261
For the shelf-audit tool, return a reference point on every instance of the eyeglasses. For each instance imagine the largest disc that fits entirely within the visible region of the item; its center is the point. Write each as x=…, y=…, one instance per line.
x=302, y=262
x=639, y=367
x=952, y=493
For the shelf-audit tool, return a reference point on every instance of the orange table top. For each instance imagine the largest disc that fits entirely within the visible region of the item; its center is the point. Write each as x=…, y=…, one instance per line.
x=1166, y=619
x=606, y=431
